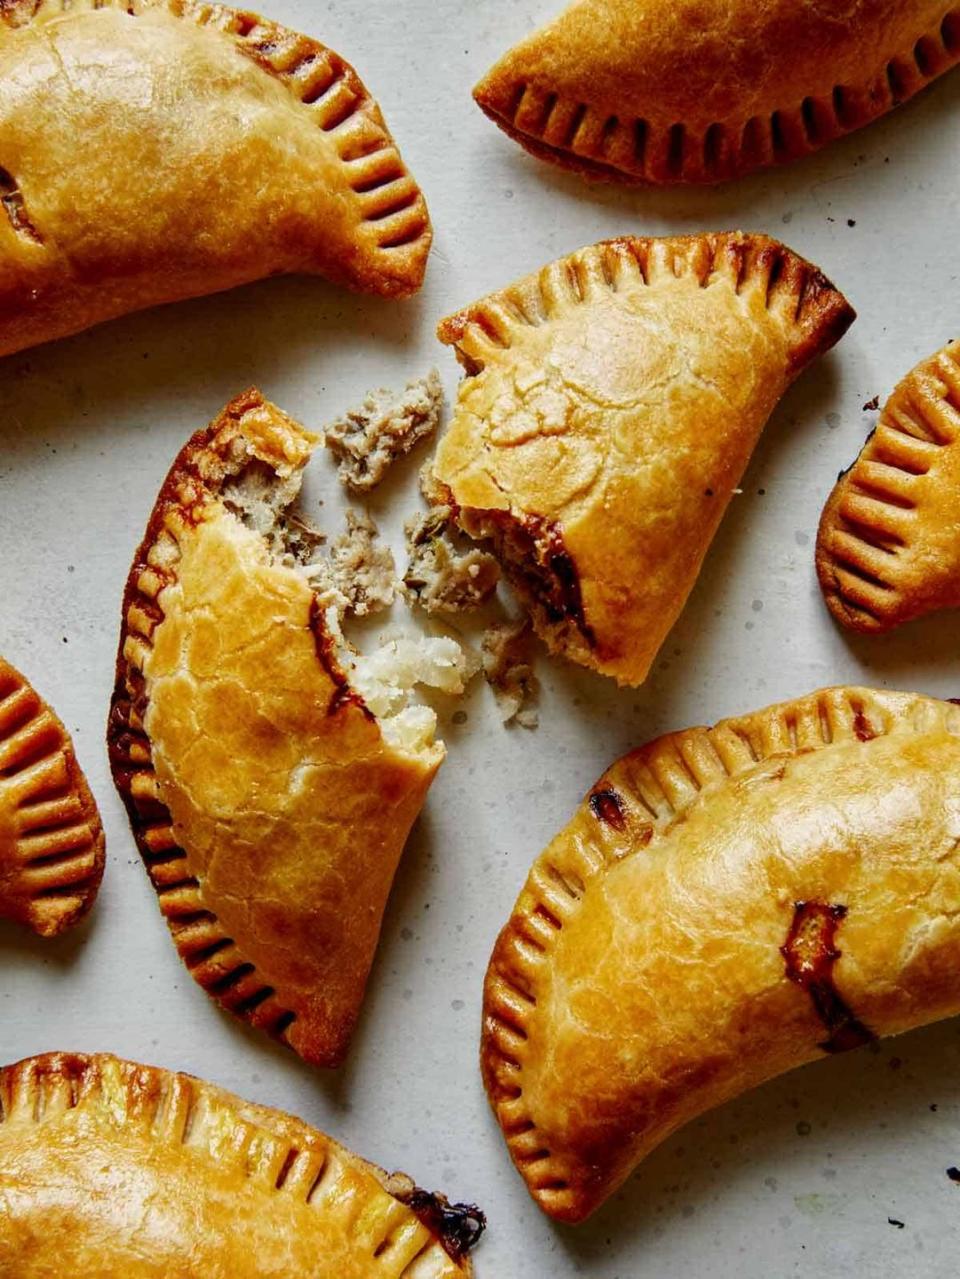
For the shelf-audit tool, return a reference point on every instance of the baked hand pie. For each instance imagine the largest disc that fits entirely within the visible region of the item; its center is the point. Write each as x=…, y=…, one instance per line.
x=111, y=1168
x=155, y=150
x=612, y=402
x=887, y=547
x=270, y=776
x=679, y=91
x=51, y=839
x=725, y=905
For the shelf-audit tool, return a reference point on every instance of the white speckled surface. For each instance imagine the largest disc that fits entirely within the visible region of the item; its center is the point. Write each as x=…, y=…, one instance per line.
x=797, y=1179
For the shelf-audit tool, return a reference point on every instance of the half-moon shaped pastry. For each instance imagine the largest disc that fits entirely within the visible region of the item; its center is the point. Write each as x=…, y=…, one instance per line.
x=270, y=798
x=727, y=904
x=612, y=402
x=111, y=1168
x=161, y=149
x=888, y=547
x=682, y=91
x=51, y=841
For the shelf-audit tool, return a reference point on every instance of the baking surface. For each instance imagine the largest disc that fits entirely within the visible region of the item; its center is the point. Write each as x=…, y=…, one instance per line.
x=799, y=1178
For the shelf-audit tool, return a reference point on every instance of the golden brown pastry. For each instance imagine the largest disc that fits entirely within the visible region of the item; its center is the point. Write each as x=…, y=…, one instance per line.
x=113, y=1170
x=726, y=904
x=682, y=91
x=160, y=149
x=612, y=402
x=270, y=797
x=51, y=839
x=888, y=548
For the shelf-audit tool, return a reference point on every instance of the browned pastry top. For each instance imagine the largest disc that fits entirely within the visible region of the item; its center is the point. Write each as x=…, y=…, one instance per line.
x=687, y=91
x=51, y=839
x=161, y=149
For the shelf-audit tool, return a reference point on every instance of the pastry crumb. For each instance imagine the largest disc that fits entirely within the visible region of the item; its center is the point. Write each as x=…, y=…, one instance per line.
x=508, y=669
x=445, y=573
x=386, y=426
x=359, y=576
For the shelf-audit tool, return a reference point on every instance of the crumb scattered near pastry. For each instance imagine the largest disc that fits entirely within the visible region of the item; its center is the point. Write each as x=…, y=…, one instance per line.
x=359, y=576
x=508, y=669
x=386, y=426
x=445, y=572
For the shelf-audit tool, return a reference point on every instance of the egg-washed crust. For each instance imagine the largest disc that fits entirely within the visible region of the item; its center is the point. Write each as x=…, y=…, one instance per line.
x=762, y=286
x=674, y=93
x=641, y=799
x=52, y=846
x=887, y=548
x=383, y=250
x=316, y=1023
x=271, y=1190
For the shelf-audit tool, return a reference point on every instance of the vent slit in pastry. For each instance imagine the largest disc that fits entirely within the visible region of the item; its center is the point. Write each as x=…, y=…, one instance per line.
x=267, y=156
x=617, y=92
x=886, y=551
x=271, y=774
x=611, y=404
x=52, y=846
x=239, y=1188
x=795, y=891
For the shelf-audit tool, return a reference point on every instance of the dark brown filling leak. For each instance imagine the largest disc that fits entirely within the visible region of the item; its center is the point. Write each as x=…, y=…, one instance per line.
x=810, y=953
x=11, y=197
x=607, y=806
x=343, y=694
x=457, y=1226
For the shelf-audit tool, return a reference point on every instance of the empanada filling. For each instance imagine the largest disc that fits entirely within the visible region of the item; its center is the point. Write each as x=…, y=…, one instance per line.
x=382, y=682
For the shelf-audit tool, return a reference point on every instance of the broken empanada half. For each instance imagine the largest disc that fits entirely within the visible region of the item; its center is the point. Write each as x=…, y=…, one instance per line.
x=51, y=839
x=725, y=905
x=153, y=150
x=682, y=91
x=611, y=404
x=111, y=1168
x=888, y=548
x=269, y=796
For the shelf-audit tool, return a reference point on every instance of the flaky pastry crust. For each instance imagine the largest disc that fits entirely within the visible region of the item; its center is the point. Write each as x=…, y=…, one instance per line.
x=52, y=845
x=888, y=547
x=122, y=1171
x=160, y=149
x=679, y=91
x=725, y=905
x=269, y=809
x=612, y=402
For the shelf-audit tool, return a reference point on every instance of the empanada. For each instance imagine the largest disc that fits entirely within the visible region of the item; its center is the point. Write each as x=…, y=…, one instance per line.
x=270, y=780
x=726, y=904
x=160, y=149
x=612, y=402
x=113, y=1170
x=51, y=839
x=682, y=91
x=888, y=547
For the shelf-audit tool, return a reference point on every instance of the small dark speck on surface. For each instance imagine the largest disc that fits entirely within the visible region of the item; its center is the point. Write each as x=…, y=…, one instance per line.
x=833, y=420
x=829, y=219
x=456, y=1004
x=761, y=492
x=708, y=492
x=460, y=717
x=804, y=1129
x=871, y=406
x=893, y=1222
x=65, y=640
x=851, y=221
x=757, y=606
x=748, y=626
x=954, y=1174
x=406, y=934
x=933, y=1105
x=787, y=217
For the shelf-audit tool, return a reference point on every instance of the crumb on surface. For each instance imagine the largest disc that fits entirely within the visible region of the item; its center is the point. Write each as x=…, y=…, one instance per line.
x=445, y=573
x=386, y=426
x=508, y=669
x=359, y=576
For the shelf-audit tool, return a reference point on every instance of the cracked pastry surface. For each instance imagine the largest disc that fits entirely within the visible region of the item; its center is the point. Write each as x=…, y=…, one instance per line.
x=269, y=801
x=725, y=905
x=265, y=153
x=887, y=546
x=611, y=404
x=52, y=845
x=112, y=1168
x=679, y=91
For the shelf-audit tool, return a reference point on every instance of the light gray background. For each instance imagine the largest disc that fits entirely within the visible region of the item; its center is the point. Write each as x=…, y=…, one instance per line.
x=798, y=1178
